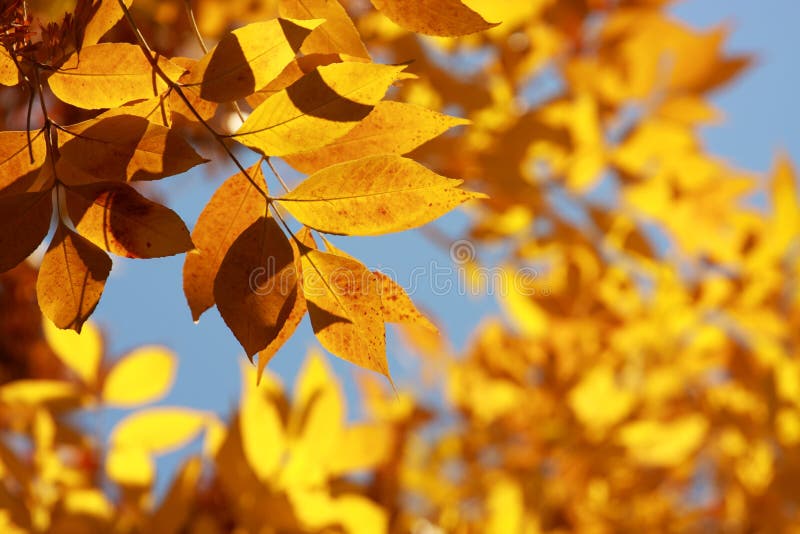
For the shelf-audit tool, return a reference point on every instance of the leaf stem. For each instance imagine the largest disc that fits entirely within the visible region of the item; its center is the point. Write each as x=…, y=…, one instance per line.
x=277, y=174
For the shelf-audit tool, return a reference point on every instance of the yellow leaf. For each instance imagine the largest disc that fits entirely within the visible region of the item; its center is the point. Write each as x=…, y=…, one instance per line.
x=360, y=447
x=122, y=148
x=256, y=285
x=17, y=169
x=38, y=391
x=249, y=58
x=71, y=279
x=158, y=430
x=337, y=35
x=263, y=440
x=398, y=306
x=373, y=195
x=24, y=222
x=108, y=75
x=664, y=444
x=107, y=15
x=142, y=376
x=597, y=400
x=233, y=208
x=117, y=218
x=355, y=514
x=158, y=111
x=444, y=18
x=177, y=505
x=130, y=466
x=344, y=303
x=391, y=128
x=317, y=109
x=9, y=75
x=82, y=353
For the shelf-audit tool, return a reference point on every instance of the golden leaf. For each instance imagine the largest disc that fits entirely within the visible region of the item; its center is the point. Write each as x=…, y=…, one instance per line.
x=142, y=376
x=24, y=222
x=445, y=18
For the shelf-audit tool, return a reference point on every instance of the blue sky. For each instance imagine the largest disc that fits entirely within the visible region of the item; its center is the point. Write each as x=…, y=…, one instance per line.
x=144, y=302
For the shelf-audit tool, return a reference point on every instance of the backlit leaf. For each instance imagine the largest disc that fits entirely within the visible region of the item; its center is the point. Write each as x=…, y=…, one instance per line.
x=391, y=128
x=108, y=75
x=232, y=209
x=249, y=58
x=17, y=169
x=445, y=18
x=71, y=279
x=373, y=195
x=120, y=220
x=24, y=222
x=344, y=303
x=107, y=15
x=122, y=148
x=398, y=306
x=256, y=285
x=82, y=352
x=158, y=430
x=142, y=376
x=317, y=109
x=337, y=35
x=8, y=69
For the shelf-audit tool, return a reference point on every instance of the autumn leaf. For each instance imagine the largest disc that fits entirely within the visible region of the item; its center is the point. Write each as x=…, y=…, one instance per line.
x=204, y=108
x=108, y=75
x=249, y=58
x=233, y=208
x=24, y=222
x=337, y=35
x=82, y=353
x=142, y=376
x=107, y=15
x=344, y=303
x=444, y=18
x=297, y=311
x=122, y=148
x=158, y=430
x=317, y=109
x=118, y=219
x=373, y=195
x=9, y=75
x=17, y=169
x=256, y=285
x=397, y=305
x=391, y=128
x=71, y=279
x=157, y=110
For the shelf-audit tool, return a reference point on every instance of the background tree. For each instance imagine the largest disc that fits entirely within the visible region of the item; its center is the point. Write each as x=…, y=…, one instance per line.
x=645, y=379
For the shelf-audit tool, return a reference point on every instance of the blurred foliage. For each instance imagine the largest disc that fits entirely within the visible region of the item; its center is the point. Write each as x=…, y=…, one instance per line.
x=646, y=380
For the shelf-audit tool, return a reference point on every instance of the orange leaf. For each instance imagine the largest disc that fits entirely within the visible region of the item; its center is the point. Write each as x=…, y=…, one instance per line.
x=8, y=69
x=398, y=306
x=122, y=148
x=344, y=303
x=107, y=15
x=71, y=279
x=24, y=222
x=444, y=18
x=16, y=168
x=256, y=284
x=233, y=208
x=120, y=220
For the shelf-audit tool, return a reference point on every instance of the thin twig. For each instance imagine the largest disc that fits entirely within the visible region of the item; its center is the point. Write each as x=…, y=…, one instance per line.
x=277, y=174
x=177, y=88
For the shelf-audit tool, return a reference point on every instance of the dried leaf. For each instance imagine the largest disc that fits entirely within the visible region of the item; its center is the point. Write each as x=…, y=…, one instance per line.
x=374, y=195
x=232, y=209
x=317, y=109
x=120, y=220
x=71, y=279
